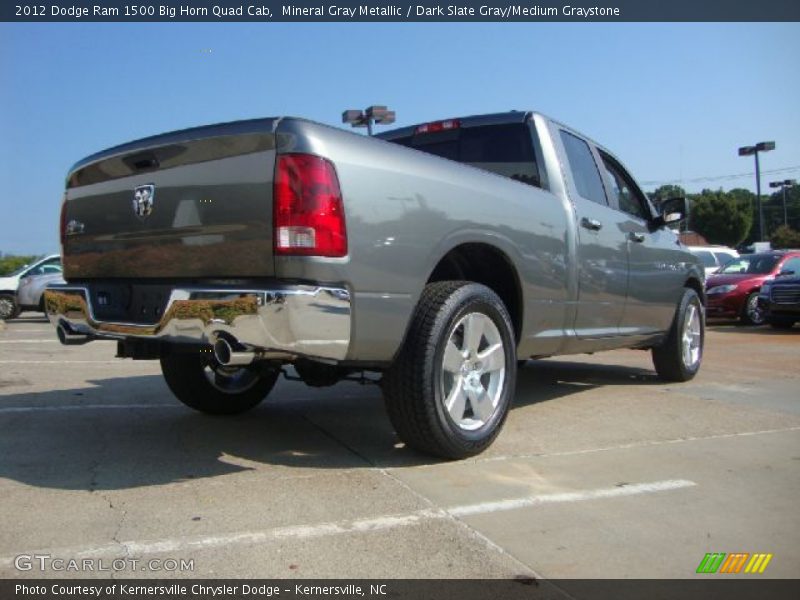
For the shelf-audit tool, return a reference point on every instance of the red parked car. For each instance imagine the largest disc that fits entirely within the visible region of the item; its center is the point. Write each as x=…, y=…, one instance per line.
x=733, y=290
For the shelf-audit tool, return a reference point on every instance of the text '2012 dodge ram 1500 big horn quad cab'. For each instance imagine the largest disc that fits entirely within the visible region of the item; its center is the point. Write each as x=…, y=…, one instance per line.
x=437, y=256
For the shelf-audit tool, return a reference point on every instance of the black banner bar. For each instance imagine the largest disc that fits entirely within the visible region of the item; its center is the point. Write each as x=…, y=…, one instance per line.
x=711, y=588
x=399, y=11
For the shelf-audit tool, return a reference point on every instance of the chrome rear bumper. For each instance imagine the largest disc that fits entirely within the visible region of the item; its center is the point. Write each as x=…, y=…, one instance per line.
x=295, y=320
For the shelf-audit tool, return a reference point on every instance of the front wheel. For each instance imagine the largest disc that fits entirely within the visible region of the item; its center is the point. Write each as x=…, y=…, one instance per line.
x=679, y=357
x=449, y=390
x=752, y=314
x=203, y=384
x=8, y=307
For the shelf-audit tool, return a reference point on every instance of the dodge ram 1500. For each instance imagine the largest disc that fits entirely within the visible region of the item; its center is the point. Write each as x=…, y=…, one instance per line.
x=437, y=255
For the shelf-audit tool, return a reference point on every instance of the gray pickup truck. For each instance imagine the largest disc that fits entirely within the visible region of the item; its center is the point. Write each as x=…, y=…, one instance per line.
x=437, y=255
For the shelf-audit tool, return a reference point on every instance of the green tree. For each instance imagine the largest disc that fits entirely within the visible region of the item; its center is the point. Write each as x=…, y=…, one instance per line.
x=9, y=264
x=785, y=237
x=773, y=209
x=720, y=217
x=665, y=192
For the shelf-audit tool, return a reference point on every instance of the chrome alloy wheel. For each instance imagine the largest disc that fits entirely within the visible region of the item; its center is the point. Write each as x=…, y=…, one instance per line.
x=6, y=307
x=473, y=371
x=753, y=310
x=691, y=338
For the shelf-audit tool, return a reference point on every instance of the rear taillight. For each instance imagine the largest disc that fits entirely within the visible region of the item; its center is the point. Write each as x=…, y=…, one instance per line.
x=308, y=213
x=62, y=230
x=438, y=126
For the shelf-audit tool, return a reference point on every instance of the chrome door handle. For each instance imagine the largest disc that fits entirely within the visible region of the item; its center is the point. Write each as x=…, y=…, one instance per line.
x=591, y=224
x=636, y=237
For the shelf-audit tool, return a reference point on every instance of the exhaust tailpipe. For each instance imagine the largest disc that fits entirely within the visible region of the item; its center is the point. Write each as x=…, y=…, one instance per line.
x=68, y=337
x=227, y=356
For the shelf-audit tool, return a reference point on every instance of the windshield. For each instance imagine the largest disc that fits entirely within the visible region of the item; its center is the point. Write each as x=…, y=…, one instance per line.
x=755, y=264
x=18, y=271
x=503, y=149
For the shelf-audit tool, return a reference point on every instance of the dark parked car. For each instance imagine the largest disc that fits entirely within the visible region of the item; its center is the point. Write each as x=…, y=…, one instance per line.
x=780, y=299
x=733, y=290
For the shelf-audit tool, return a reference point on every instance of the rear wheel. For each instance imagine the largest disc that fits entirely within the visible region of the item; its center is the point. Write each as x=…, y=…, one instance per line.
x=679, y=357
x=8, y=307
x=752, y=314
x=450, y=388
x=201, y=383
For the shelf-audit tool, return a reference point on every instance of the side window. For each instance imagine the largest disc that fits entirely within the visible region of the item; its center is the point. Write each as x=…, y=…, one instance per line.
x=583, y=168
x=706, y=258
x=49, y=269
x=793, y=264
x=627, y=195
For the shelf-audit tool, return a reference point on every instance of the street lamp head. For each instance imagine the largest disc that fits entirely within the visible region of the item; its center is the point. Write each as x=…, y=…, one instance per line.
x=765, y=146
x=376, y=112
x=747, y=150
x=378, y=115
x=387, y=118
x=354, y=117
x=784, y=183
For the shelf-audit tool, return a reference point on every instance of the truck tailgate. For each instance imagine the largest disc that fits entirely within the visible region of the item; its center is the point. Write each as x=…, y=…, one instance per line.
x=188, y=204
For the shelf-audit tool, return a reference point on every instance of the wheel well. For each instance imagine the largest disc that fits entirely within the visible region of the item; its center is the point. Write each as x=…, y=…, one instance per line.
x=698, y=287
x=489, y=266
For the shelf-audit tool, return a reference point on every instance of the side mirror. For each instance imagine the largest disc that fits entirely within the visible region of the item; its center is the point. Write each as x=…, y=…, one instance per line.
x=673, y=210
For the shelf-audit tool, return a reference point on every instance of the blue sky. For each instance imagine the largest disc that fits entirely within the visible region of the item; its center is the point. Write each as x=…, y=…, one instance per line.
x=674, y=101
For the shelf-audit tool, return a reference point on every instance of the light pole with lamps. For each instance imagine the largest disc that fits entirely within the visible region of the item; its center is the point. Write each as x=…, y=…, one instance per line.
x=747, y=151
x=380, y=115
x=786, y=183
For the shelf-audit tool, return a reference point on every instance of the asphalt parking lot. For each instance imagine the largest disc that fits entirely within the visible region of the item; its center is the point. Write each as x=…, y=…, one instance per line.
x=602, y=471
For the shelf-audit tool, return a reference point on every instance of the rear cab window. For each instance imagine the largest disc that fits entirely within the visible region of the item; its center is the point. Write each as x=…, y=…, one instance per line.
x=505, y=149
x=584, y=170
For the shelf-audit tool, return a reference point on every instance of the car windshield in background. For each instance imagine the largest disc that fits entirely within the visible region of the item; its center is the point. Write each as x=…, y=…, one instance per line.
x=757, y=264
x=17, y=271
x=503, y=149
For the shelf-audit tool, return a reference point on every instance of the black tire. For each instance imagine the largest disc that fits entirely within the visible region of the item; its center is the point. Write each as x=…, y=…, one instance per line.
x=414, y=385
x=751, y=313
x=9, y=309
x=668, y=358
x=781, y=324
x=189, y=375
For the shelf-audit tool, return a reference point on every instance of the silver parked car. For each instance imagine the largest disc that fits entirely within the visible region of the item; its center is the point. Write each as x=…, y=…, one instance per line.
x=9, y=284
x=30, y=295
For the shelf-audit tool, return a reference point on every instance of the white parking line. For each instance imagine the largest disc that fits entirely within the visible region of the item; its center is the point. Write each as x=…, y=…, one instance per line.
x=381, y=523
x=615, y=492
x=29, y=341
x=631, y=446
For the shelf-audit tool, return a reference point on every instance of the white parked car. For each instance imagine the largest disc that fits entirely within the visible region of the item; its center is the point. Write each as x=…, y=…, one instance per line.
x=713, y=257
x=30, y=295
x=9, y=285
